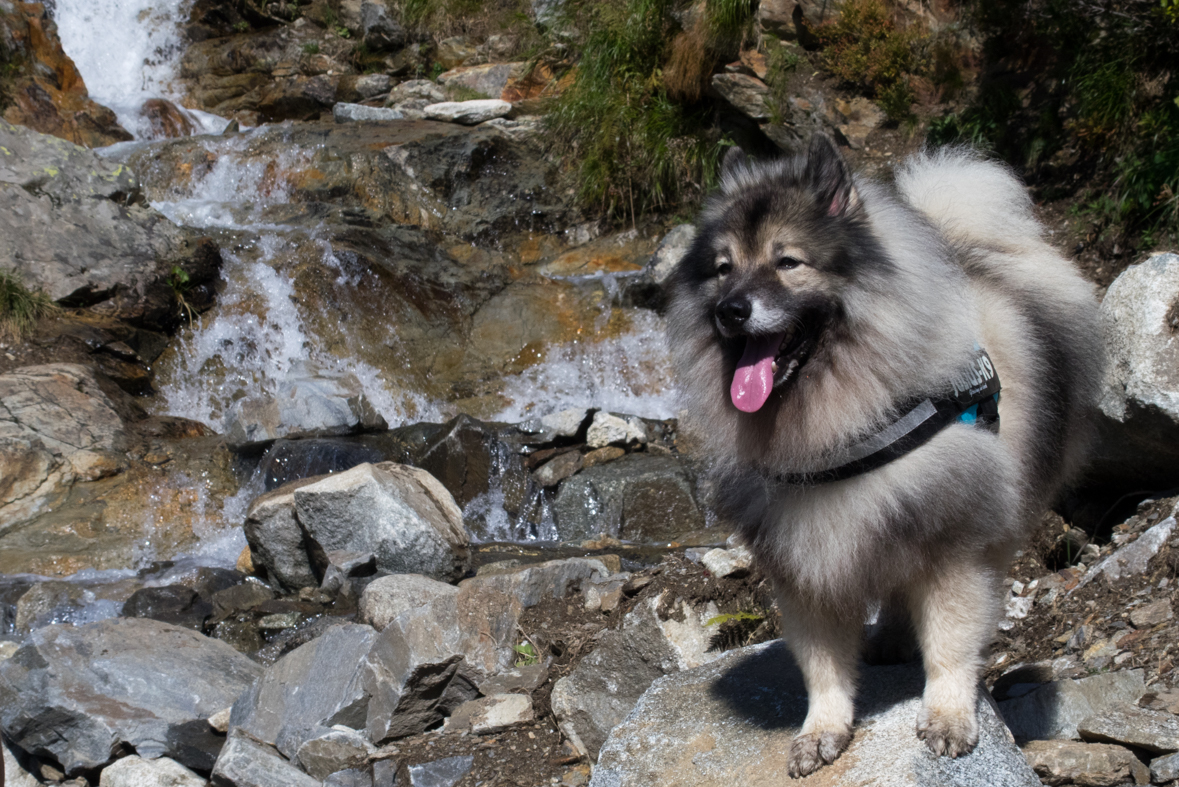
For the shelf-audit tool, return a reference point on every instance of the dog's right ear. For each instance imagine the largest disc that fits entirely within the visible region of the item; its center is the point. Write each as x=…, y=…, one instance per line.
x=830, y=177
x=734, y=160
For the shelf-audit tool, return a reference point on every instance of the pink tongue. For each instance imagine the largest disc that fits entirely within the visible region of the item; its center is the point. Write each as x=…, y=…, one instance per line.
x=755, y=376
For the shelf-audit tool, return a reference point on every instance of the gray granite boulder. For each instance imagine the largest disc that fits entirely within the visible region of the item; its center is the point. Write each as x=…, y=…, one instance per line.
x=1155, y=731
x=75, y=694
x=312, y=688
x=731, y=722
x=277, y=543
x=245, y=762
x=401, y=514
x=1054, y=710
x=134, y=771
x=468, y=113
x=306, y=405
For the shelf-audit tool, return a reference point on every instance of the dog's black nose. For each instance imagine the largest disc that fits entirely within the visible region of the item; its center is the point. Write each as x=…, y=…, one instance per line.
x=734, y=311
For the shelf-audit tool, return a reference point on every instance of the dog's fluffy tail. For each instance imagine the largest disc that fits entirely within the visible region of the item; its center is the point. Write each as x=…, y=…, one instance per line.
x=972, y=201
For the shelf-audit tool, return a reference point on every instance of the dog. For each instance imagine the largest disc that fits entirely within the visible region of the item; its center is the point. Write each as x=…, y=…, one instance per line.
x=892, y=382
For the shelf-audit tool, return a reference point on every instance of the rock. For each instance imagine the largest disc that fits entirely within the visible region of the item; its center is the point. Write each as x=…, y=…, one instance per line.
x=313, y=405
x=118, y=254
x=379, y=31
x=43, y=89
x=153, y=689
x=454, y=51
x=276, y=541
x=731, y=722
x=423, y=89
x=245, y=762
x=747, y=94
x=1164, y=769
x=293, y=460
x=566, y=423
x=728, y=562
x=1151, y=614
x=605, y=595
x=638, y=497
x=165, y=119
x=606, y=684
x=354, y=777
x=219, y=721
x=1097, y=764
x=609, y=429
x=315, y=686
x=671, y=250
x=531, y=584
x=1139, y=426
x=558, y=468
x=353, y=113
x=337, y=749
x=440, y=773
x=135, y=771
x=297, y=97
x=1155, y=731
x=46, y=603
x=370, y=86
x=56, y=424
x=175, y=604
x=343, y=565
x=1053, y=711
x=387, y=599
x=1134, y=557
x=15, y=773
x=862, y=118
x=400, y=514
x=487, y=80
x=468, y=113
x=489, y=715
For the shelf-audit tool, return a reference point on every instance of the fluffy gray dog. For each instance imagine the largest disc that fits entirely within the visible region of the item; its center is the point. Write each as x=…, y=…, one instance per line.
x=840, y=345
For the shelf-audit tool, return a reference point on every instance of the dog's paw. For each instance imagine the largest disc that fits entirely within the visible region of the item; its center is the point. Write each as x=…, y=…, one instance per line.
x=951, y=734
x=812, y=751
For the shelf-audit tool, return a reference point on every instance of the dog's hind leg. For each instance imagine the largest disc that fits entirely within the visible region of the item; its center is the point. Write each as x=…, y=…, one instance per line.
x=954, y=612
x=825, y=645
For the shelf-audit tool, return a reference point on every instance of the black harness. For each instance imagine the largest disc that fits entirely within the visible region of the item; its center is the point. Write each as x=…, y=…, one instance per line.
x=973, y=398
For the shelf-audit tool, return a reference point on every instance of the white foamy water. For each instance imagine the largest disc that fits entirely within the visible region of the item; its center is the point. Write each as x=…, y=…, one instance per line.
x=128, y=51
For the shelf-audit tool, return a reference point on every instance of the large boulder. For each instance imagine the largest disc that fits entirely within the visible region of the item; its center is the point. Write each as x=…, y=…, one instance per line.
x=77, y=694
x=42, y=88
x=118, y=255
x=400, y=514
x=1139, y=424
x=1053, y=710
x=56, y=427
x=732, y=721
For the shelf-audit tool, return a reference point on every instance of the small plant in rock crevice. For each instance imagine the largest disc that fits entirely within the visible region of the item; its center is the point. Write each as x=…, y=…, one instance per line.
x=21, y=308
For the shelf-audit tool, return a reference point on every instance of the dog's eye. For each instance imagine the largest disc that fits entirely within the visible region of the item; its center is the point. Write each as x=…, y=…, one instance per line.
x=723, y=267
x=786, y=263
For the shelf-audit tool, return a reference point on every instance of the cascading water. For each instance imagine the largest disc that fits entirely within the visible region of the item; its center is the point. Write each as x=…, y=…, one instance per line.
x=127, y=52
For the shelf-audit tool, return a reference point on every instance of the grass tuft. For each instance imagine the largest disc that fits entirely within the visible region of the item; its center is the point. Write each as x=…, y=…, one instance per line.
x=20, y=308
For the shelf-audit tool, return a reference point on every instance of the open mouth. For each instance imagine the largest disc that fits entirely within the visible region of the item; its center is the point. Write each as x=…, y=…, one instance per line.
x=768, y=361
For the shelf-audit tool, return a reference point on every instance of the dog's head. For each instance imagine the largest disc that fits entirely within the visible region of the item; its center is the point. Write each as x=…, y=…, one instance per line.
x=775, y=251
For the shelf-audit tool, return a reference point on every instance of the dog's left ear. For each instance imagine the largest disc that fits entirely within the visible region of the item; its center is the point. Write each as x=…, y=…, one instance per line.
x=829, y=176
x=734, y=160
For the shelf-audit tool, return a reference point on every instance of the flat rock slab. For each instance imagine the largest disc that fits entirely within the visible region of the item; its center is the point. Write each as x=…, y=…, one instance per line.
x=1053, y=711
x=1071, y=762
x=1154, y=730
x=74, y=694
x=468, y=113
x=731, y=722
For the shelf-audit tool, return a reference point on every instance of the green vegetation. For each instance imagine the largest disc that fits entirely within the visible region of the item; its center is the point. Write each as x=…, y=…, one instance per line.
x=1084, y=90
x=241, y=26
x=311, y=49
x=20, y=308
x=739, y=629
x=178, y=280
x=528, y=655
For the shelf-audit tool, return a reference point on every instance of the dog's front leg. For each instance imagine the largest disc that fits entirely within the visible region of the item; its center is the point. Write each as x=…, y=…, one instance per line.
x=826, y=646
x=954, y=612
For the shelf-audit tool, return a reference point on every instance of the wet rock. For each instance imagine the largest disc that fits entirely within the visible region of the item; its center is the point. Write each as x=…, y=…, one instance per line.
x=135, y=771
x=43, y=89
x=638, y=497
x=314, y=405
x=153, y=689
x=165, y=119
x=175, y=604
x=401, y=514
x=747, y=94
x=468, y=113
x=440, y=773
x=352, y=113
x=1155, y=731
x=609, y=429
x=245, y=762
x=464, y=453
x=487, y=80
x=1069, y=762
x=607, y=683
x=297, y=97
x=489, y=715
x=47, y=603
x=292, y=460
x=338, y=749
x=737, y=716
x=1053, y=711
x=57, y=428
x=1140, y=407
x=315, y=686
x=558, y=468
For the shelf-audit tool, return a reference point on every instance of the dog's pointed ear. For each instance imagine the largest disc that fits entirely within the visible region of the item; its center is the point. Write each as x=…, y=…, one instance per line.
x=734, y=160
x=829, y=176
